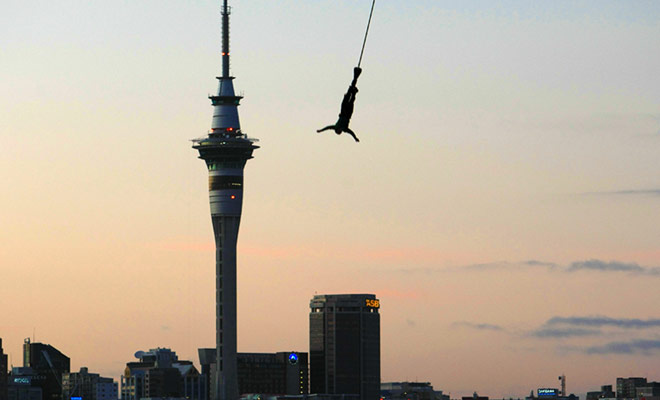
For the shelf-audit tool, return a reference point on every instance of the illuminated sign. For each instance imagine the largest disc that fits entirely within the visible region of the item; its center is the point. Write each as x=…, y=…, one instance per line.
x=22, y=380
x=373, y=303
x=548, y=392
x=76, y=398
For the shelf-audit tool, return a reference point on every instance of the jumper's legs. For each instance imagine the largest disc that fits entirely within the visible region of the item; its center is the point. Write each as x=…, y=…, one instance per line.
x=350, y=132
x=356, y=73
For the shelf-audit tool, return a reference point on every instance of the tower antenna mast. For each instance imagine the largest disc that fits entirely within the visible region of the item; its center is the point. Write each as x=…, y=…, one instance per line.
x=226, y=10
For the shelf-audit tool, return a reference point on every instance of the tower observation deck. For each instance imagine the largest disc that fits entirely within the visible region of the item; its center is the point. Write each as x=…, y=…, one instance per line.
x=225, y=151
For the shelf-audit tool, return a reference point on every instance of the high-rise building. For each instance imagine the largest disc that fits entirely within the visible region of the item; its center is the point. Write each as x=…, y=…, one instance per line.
x=344, y=345
x=88, y=386
x=225, y=151
x=48, y=365
x=3, y=373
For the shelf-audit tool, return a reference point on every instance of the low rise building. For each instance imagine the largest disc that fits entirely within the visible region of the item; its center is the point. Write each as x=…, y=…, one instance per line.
x=649, y=390
x=265, y=375
x=88, y=386
x=23, y=384
x=160, y=374
x=550, y=394
x=410, y=391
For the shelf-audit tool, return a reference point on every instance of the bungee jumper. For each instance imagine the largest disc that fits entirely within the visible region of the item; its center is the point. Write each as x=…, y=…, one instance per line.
x=346, y=109
x=348, y=102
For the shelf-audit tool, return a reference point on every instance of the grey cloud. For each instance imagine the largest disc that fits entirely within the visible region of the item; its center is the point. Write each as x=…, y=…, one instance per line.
x=593, y=265
x=612, y=266
x=420, y=270
x=643, y=346
x=410, y=322
x=652, y=192
x=487, y=266
x=588, y=265
x=481, y=327
x=497, y=265
x=600, y=321
x=537, y=263
x=560, y=333
x=629, y=192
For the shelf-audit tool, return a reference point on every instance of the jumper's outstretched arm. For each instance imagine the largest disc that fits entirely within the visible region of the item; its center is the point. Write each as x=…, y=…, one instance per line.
x=327, y=128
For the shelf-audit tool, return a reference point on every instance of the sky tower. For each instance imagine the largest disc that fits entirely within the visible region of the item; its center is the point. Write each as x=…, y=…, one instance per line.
x=225, y=151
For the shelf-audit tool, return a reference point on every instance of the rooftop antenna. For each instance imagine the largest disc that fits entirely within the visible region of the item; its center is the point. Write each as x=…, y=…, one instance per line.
x=562, y=379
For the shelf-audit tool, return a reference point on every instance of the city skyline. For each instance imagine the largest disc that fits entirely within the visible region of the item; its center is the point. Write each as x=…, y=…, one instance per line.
x=502, y=203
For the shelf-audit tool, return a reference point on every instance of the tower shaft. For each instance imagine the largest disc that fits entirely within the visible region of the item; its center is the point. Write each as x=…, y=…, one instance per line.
x=225, y=229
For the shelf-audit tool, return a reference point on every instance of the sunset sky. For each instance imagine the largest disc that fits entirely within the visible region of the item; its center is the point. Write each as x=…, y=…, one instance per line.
x=503, y=203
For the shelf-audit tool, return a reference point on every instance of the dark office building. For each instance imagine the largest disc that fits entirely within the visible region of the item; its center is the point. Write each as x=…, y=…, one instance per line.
x=48, y=364
x=344, y=345
x=627, y=387
x=282, y=373
x=3, y=373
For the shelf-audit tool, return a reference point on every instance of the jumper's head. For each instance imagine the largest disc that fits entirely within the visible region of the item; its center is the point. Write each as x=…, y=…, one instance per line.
x=338, y=130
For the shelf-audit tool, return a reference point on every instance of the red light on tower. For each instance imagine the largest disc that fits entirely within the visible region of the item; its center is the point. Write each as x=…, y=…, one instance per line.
x=233, y=197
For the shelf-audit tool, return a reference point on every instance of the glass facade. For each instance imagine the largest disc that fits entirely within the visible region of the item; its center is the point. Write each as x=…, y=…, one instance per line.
x=218, y=182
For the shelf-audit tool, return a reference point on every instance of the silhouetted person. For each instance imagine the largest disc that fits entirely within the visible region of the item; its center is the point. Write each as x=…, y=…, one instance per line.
x=346, y=108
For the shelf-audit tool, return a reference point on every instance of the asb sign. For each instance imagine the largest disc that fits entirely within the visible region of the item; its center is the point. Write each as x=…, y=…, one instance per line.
x=373, y=303
x=548, y=392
